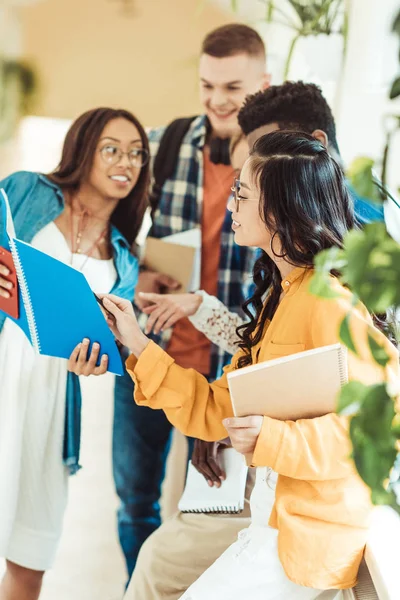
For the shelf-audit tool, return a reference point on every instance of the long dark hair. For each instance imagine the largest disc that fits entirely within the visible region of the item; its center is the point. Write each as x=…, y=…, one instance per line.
x=77, y=158
x=305, y=203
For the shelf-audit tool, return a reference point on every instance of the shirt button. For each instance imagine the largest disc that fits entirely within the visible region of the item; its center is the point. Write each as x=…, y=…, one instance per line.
x=287, y=283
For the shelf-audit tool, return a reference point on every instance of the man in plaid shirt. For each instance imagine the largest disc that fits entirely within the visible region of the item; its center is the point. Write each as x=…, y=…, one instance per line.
x=232, y=65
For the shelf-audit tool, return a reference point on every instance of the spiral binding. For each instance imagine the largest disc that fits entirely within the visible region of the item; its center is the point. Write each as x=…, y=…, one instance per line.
x=343, y=371
x=26, y=297
x=221, y=510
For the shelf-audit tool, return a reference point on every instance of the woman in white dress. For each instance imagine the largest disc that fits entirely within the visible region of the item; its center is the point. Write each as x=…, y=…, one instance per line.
x=310, y=509
x=87, y=213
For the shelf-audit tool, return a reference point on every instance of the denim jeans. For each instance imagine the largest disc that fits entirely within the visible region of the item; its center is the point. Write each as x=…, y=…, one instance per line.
x=141, y=441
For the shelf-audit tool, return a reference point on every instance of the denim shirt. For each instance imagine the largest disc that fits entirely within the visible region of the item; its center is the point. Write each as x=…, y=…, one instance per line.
x=35, y=201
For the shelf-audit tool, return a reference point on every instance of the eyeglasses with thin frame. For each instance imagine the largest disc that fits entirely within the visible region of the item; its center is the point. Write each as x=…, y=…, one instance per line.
x=137, y=157
x=236, y=193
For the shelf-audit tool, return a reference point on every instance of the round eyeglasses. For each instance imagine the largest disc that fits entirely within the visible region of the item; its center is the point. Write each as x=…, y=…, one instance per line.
x=137, y=157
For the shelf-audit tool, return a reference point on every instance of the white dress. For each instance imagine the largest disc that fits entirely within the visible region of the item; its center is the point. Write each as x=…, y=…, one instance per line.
x=34, y=480
x=250, y=568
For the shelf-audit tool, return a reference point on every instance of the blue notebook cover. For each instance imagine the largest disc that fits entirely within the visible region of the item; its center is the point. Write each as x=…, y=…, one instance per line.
x=57, y=308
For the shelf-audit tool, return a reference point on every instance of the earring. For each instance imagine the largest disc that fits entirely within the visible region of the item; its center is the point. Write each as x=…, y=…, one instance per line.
x=271, y=243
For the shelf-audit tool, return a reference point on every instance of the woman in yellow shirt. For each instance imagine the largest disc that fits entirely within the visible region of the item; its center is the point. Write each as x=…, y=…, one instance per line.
x=310, y=509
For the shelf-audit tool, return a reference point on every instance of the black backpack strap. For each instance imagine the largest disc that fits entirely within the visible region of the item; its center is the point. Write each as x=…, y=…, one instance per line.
x=167, y=156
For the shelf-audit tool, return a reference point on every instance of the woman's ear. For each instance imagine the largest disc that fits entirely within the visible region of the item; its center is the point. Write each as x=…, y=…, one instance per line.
x=321, y=136
x=266, y=81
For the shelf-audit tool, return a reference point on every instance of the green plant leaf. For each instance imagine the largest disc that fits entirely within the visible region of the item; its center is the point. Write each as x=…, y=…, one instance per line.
x=378, y=352
x=269, y=11
x=329, y=260
x=321, y=286
x=351, y=397
x=395, y=89
x=396, y=426
x=345, y=334
x=361, y=178
x=396, y=24
x=374, y=445
x=373, y=267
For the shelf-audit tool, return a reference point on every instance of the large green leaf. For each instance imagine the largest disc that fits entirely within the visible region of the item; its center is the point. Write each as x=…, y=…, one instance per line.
x=361, y=178
x=321, y=286
x=374, y=445
x=396, y=24
x=378, y=352
x=330, y=259
x=395, y=89
x=345, y=334
x=351, y=397
x=373, y=267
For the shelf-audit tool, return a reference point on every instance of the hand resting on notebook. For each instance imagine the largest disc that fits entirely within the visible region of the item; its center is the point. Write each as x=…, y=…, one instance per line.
x=206, y=459
x=244, y=432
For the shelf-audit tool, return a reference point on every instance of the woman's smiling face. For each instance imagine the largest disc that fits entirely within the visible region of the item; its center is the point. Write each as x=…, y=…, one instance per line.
x=249, y=228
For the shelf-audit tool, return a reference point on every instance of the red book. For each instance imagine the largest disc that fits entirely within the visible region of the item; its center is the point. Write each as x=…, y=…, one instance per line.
x=9, y=305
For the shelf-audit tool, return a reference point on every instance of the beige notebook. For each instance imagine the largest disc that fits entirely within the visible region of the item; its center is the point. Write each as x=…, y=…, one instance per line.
x=299, y=386
x=175, y=260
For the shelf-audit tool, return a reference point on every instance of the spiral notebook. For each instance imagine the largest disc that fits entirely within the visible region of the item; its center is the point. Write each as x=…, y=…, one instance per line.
x=199, y=497
x=56, y=307
x=300, y=386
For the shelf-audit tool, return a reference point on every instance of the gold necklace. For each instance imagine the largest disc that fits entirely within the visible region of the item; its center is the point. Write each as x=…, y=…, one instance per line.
x=84, y=216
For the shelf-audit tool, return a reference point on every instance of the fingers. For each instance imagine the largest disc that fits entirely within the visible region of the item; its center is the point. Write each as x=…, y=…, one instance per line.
x=82, y=356
x=150, y=297
x=242, y=422
x=213, y=459
x=116, y=306
x=204, y=460
x=94, y=355
x=175, y=316
x=209, y=465
x=244, y=432
x=158, y=318
x=102, y=368
x=169, y=282
x=73, y=358
x=5, y=284
x=149, y=309
x=80, y=364
x=153, y=318
x=4, y=270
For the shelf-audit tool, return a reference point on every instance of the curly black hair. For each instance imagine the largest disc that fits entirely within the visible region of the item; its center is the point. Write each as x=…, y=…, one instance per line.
x=305, y=202
x=292, y=105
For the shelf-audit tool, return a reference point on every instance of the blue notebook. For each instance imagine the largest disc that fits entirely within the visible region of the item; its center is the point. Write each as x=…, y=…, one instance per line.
x=57, y=308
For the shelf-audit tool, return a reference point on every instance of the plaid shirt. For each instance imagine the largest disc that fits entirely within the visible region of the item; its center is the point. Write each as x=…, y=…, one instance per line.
x=180, y=209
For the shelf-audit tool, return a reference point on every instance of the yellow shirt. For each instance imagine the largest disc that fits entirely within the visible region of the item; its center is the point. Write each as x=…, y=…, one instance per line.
x=322, y=507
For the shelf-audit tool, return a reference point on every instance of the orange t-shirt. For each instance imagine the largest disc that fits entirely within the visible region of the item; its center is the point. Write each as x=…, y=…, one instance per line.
x=188, y=346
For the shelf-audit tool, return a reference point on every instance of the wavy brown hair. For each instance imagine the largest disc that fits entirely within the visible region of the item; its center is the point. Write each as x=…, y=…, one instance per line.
x=77, y=159
x=304, y=201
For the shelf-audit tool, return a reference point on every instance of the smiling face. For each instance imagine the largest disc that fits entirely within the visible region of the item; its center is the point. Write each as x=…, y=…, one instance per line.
x=224, y=85
x=249, y=228
x=110, y=176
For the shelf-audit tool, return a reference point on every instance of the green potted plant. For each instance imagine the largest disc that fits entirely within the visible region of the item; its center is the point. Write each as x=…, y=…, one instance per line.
x=308, y=18
x=17, y=87
x=370, y=265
